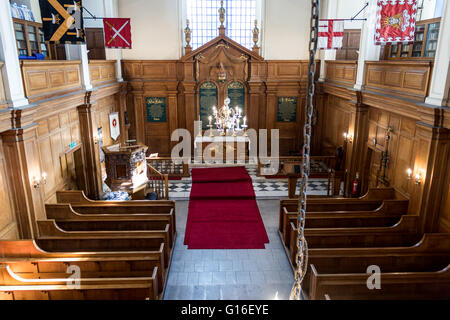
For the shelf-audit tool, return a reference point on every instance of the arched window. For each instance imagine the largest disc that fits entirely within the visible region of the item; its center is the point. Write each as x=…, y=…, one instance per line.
x=239, y=20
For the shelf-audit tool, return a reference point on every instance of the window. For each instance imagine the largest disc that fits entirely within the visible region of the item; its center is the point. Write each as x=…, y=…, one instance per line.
x=204, y=20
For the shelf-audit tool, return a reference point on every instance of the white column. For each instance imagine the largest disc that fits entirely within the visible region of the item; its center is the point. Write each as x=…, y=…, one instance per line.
x=79, y=52
x=368, y=51
x=112, y=11
x=329, y=11
x=440, y=81
x=12, y=74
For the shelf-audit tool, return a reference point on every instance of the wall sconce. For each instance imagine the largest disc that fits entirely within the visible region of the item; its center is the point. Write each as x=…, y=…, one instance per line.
x=409, y=172
x=37, y=181
x=348, y=137
x=418, y=179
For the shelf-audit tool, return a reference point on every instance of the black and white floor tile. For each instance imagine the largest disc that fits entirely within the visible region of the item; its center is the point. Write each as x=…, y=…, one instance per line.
x=264, y=188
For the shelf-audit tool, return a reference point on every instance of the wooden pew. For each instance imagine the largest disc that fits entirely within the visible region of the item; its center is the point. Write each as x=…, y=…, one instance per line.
x=432, y=285
x=13, y=287
x=65, y=218
x=54, y=239
x=24, y=256
x=432, y=252
x=402, y=234
x=388, y=214
x=374, y=200
x=82, y=205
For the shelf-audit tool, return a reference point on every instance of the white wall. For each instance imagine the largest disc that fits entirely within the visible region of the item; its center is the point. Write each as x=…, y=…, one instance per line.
x=155, y=28
x=97, y=8
x=286, y=29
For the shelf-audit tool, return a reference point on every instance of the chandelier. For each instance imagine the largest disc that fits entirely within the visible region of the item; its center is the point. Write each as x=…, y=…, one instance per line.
x=227, y=119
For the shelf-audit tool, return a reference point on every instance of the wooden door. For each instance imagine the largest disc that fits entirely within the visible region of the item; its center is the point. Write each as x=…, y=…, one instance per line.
x=95, y=41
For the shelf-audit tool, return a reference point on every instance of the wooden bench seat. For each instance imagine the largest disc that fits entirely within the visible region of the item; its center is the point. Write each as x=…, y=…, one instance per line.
x=431, y=253
x=432, y=285
x=65, y=212
x=69, y=220
x=402, y=234
x=24, y=256
x=53, y=239
x=13, y=287
x=387, y=215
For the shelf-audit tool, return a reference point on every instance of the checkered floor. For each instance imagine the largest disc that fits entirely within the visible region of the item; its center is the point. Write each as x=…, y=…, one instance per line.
x=264, y=188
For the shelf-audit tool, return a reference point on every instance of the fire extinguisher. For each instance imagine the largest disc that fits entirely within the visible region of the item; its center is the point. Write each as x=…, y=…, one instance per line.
x=356, y=187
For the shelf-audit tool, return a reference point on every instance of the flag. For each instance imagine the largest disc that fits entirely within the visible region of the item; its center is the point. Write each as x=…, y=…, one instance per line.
x=62, y=21
x=396, y=21
x=117, y=33
x=331, y=34
x=114, y=127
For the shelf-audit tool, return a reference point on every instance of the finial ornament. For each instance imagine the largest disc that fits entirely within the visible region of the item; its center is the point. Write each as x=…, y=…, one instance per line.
x=221, y=13
x=256, y=33
x=187, y=34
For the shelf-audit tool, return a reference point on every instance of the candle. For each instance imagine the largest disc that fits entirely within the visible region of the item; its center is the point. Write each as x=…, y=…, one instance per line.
x=237, y=123
x=245, y=121
x=210, y=119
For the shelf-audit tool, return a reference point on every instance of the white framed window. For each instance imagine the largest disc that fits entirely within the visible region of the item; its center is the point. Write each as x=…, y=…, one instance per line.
x=239, y=20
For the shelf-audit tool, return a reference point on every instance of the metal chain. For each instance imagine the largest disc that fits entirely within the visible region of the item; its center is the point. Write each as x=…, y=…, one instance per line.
x=302, y=246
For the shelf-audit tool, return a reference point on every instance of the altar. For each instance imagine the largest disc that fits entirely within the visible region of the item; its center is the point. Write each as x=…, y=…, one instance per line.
x=222, y=149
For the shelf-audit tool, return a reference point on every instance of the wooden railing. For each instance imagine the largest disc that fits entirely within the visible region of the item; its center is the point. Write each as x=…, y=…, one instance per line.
x=320, y=165
x=341, y=72
x=102, y=71
x=45, y=79
x=3, y=104
x=409, y=79
x=158, y=183
x=165, y=165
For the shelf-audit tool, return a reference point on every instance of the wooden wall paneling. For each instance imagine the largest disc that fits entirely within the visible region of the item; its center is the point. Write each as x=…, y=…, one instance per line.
x=8, y=224
x=95, y=42
x=444, y=221
x=102, y=72
x=255, y=110
x=355, y=161
x=435, y=184
x=45, y=79
x=19, y=147
x=87, y=127
x=341, y=72
x=190, y=109
x=409, y=79
x=350, y=45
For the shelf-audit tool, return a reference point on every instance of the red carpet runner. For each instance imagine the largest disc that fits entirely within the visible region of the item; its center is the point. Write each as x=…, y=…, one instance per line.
x=223, y=213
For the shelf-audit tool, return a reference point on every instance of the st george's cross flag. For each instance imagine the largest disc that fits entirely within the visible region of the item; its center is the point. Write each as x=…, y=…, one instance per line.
x=62, y=21
x=396, y=21
x=117, y=33
x=331, y=34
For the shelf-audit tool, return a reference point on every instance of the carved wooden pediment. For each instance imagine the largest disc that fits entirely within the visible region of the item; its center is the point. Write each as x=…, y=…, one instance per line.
x=221, y=60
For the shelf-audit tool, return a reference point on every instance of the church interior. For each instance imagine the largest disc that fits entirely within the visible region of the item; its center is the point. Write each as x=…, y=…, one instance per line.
x=224, y=150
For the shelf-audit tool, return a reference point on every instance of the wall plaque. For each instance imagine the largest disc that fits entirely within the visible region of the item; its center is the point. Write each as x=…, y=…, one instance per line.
x=208, y=99
x=287, y=109
x=156, y=109
x=236, y=93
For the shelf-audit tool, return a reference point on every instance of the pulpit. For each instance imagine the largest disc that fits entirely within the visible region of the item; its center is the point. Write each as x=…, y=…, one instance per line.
x=126, y=167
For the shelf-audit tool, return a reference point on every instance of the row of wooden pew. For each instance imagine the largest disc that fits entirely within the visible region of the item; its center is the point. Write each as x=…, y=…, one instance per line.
x=86, y=250
x=348, y=236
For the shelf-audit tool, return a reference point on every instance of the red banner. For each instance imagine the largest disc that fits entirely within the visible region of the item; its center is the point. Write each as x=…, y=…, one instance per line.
x=117, y=33
x=396, y=21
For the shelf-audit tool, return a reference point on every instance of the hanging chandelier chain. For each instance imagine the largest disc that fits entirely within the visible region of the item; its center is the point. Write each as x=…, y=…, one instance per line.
x=302, y=246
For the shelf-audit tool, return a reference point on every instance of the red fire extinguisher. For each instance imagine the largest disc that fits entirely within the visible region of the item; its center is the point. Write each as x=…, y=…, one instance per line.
x=356, y=187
